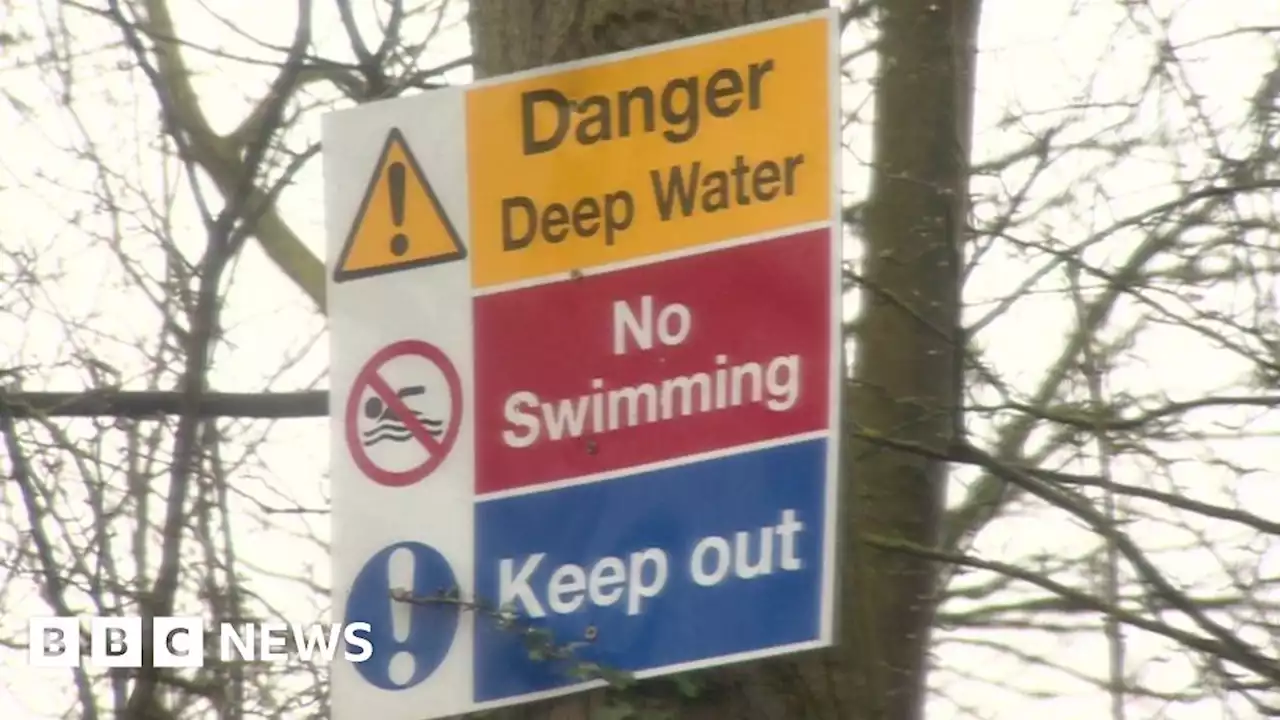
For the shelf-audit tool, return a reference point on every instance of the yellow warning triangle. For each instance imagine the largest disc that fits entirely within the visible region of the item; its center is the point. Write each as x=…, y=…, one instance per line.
x=401, y=224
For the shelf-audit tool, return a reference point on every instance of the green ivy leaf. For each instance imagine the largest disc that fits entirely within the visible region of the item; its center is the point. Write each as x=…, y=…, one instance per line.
x=687, y=685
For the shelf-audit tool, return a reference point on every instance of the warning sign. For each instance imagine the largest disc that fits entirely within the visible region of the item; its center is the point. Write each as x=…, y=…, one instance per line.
x=601, y=163
x=400, y=224
x=403, y=413
x=634, y=365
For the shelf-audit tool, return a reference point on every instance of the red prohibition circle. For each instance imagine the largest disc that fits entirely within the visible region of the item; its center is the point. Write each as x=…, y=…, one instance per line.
x=368, y=377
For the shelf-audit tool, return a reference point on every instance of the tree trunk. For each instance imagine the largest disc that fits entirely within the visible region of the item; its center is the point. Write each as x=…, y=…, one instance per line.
x=907, y=369
x=909, y=361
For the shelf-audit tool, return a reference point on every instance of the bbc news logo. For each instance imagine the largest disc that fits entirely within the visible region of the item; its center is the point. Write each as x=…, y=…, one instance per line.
x=181, y=642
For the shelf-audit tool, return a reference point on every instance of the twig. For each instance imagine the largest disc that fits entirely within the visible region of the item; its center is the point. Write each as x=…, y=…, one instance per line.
x=540, y=643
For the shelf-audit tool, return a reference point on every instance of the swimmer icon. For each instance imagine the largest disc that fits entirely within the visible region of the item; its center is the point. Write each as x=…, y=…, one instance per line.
x=397, y=437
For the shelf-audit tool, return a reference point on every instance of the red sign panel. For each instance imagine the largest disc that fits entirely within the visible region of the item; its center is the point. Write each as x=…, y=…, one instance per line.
x=653, y=363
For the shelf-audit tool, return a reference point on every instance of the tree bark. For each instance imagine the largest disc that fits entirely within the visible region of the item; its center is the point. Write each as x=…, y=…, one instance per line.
x=909, y=360
x=907, y=368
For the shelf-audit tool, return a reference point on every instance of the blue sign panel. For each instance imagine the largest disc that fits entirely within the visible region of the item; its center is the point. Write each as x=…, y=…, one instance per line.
x=676, y=565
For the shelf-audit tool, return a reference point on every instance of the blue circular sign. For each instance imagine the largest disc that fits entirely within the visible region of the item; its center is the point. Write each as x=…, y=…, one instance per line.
x=411, y=640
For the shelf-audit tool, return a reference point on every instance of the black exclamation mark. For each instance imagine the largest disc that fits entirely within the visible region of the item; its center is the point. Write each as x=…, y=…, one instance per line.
x=395, y=181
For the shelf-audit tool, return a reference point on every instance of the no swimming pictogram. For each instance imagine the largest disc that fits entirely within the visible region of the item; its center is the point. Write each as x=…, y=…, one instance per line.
x=403, y=413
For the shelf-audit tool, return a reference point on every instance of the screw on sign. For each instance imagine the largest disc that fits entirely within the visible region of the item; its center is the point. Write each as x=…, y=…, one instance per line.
x=403, y=413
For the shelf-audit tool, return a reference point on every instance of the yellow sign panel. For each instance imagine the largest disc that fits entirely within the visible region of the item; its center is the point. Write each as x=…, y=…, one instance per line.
x=650, y=154
x=400, y=224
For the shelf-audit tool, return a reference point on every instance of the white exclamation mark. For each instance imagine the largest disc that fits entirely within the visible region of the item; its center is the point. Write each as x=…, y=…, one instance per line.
x=400, y=573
